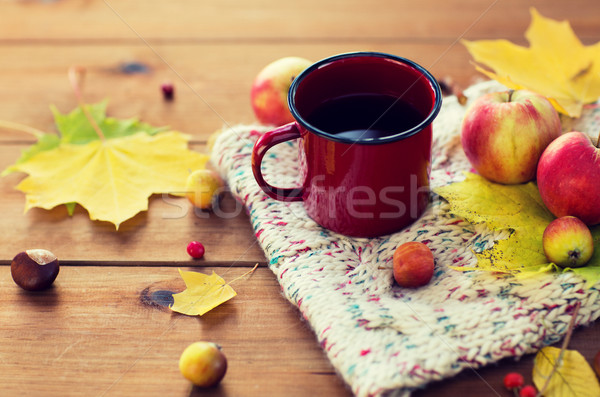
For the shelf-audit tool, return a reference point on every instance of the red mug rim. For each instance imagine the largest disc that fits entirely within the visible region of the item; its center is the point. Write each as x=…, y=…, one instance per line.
x=379, y=140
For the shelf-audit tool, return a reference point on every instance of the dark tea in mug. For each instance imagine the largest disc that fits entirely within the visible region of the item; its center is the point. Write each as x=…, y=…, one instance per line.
x=365, y=116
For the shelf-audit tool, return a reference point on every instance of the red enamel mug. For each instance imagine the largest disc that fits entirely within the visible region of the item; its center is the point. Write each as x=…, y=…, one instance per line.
x=363, y=121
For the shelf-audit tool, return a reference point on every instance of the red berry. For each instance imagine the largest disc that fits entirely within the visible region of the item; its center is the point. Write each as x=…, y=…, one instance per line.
x=528, y=391
x=513, y=380
x=168, y=91
x=195, y=249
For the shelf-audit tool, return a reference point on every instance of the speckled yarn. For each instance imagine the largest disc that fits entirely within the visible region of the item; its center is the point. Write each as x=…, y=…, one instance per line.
x=382, y=338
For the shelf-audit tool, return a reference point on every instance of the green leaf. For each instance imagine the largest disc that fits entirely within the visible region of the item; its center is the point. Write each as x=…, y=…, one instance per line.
x=75, y=128
x=519, y=209
x=573, y=376
x=70, y=208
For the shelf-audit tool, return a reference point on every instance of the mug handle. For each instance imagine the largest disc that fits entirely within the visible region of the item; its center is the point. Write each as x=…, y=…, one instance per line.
x=284, y=133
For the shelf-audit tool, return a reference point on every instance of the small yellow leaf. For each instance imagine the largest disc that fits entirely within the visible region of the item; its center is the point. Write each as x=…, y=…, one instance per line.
x=573, y=377
x=556, y=64
x=202, y=293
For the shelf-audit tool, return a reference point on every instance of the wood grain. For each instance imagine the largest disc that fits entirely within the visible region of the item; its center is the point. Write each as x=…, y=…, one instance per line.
x=93, y=335
x=268, y=21
x=212, y=81
x=159, y=235
x=97, y=331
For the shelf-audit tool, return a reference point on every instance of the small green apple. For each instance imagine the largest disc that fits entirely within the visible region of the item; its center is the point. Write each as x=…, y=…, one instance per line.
x=202, y=188
x=203, y=363
x=568, y=242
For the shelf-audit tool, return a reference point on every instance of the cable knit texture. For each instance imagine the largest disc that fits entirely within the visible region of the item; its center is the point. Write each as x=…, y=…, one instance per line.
x=382, y=338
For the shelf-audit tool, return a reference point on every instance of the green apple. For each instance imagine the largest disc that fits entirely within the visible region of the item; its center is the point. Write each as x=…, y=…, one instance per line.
x=202, y=188
x=203, y=363
x=568, y=242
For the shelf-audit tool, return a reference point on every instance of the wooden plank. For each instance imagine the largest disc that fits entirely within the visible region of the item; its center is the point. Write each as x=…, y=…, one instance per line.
x=96, y=332
x=212, y=81
x=239, y=20
x=91, y=334
x=159, y=235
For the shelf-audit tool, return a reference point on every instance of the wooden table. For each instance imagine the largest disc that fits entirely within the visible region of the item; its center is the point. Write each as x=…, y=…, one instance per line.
x=97, y=332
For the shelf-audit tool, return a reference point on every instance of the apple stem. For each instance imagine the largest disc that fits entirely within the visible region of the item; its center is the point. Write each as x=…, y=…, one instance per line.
x=76, y=74
x=598, y=141
x=510, y=94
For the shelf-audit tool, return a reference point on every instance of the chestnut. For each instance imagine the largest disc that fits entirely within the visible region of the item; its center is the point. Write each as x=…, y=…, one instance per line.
x=35, y=269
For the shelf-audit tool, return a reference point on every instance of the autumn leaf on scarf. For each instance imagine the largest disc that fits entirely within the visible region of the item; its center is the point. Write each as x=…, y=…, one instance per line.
x=564, y=373
x=519, y=209
x=111, y=169
x=556, y=64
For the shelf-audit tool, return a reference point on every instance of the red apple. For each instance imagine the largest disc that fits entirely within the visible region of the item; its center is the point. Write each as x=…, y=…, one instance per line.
x=270, y=89
x=568, y=242
x=568, y=177
x=504, y=134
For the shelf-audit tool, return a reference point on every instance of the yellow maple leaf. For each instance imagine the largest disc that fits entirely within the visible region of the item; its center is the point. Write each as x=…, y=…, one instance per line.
x=520, y=209
x=202, y=293
x=573, y=376
x=111, y=178
x=515, y=207
x=556, y=64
